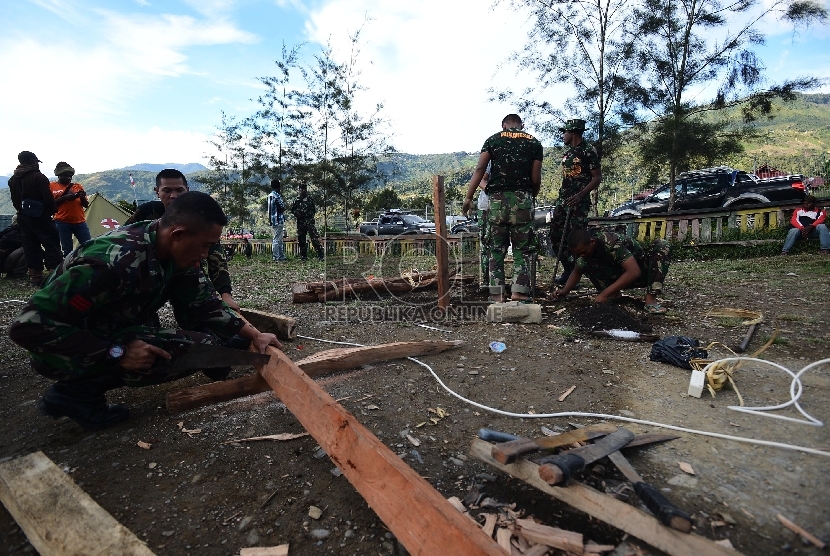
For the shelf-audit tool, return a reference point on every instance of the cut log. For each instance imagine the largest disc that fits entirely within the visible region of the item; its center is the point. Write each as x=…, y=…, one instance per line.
x=568, y=541
x=57, y=516
x=284, y=327
x=333, y=290
x=610, y=510
x=417, y=514
x=328, y=361
x=300, y=293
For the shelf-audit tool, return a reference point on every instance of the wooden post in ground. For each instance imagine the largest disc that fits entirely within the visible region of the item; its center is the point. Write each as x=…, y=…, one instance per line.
x=417, y=514
x=439, y=201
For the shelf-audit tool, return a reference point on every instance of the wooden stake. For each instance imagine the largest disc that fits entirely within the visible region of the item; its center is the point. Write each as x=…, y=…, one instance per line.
x=798, y=530
x=441, y=252
x=567, y=393
x=57, y=516
x=610, y=510
x=338, y=359
x=417, y=514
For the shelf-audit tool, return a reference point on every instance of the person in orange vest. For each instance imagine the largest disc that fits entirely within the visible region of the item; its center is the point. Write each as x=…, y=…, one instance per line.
x=70, y=199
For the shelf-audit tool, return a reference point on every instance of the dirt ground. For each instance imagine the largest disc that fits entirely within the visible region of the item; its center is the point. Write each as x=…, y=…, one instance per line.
x=199, y=494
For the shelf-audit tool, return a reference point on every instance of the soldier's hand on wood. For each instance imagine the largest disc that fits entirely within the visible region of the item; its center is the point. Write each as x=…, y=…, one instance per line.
x=265, y=339
x=140, y=356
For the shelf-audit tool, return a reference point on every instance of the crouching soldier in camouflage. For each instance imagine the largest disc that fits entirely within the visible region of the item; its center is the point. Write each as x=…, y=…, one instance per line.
x=87, y=329
x=515, y=178
x=613, y=263
x=303, y=210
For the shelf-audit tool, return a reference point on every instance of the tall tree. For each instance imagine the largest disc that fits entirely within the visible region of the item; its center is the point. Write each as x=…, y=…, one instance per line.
x=237, y=176
x=584, y=44
x=685, y=45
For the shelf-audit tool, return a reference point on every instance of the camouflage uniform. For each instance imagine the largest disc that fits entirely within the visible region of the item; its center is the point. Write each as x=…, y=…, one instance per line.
x=216, y=265
x=303, y=210
x=510, y=219
x=484, y=246
x=604, y=267
x=577, y=164
x=102, y=294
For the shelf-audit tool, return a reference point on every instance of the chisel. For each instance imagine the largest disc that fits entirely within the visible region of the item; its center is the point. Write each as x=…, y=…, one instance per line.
x=668, y=514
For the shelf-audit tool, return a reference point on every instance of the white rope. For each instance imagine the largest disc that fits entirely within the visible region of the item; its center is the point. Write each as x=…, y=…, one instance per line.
x=621, y=418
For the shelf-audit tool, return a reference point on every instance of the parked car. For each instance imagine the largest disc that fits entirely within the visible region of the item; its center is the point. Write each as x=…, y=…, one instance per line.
x=463, y=225
x=719, y=187
x=395, y=222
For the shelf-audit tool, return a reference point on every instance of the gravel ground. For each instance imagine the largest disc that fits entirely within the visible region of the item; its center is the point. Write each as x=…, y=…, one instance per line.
x=198, y=493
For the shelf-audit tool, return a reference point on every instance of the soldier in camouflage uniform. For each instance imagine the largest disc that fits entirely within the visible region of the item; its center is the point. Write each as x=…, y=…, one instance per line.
x=484, y=232
x=303, y=210
x=613, y=263
x=581, y=174
x=171, y=183
x=515, y=176
x=87, y=329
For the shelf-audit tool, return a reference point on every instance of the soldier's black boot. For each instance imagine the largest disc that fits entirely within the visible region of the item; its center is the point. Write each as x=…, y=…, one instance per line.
x=221, y=373
x=83, y=401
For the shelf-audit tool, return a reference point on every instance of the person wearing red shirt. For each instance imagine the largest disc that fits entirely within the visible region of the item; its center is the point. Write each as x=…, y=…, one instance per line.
x=70, y=199
x=808, y=223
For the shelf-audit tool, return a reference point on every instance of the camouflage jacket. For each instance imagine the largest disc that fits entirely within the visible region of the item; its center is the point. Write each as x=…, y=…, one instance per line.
x=107, y=290
x=216, y=266
x=512, y=153
x=611, y=252
x=577, y=163
x=303, y=208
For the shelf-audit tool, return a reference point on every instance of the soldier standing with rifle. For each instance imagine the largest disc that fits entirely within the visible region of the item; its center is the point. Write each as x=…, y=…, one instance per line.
x=303, y=210
x=581, y=174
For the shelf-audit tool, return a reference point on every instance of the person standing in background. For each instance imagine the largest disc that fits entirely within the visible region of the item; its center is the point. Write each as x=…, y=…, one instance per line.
x=303, y=210
x=276, y=216
x=70, y=200
x=35, y=205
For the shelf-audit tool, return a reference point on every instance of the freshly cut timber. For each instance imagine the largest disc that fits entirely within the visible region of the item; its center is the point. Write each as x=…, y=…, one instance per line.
x=344, y=288
x=284, y=327
x=328, y=361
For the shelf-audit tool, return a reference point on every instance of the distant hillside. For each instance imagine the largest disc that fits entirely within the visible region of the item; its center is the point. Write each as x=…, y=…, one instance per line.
x=183, y=168
x=4, y=181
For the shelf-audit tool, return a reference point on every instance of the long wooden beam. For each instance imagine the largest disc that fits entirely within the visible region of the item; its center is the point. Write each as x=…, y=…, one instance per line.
x=610, y=510
x=328, y=361
x=57, y=516
x=417, y=514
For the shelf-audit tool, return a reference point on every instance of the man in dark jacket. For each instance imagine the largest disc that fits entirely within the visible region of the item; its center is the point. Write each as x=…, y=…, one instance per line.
x=35, y=205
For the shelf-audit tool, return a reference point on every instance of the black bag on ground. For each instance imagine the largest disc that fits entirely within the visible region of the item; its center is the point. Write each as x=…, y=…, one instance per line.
x=677, y=350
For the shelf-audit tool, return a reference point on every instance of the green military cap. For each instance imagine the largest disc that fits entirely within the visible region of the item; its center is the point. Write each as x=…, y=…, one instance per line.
x=573, y=125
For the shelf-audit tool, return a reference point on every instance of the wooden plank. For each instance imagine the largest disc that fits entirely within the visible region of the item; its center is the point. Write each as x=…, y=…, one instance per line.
x=281, y=550
x=719, y=229
x=610, y=510
x=706, y=230
x=285, y=328
x=682, y=230
x=417, y=514
x=441, y=254
x=669, y=229
x=695, y=228
x=568, y=541
x=57, y=516
x=328, y=361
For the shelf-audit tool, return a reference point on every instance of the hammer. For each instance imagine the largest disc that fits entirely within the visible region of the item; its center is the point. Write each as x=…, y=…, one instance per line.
x=748, y=338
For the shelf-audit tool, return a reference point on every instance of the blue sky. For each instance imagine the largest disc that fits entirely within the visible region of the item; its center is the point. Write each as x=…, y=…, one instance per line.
x=105, y=84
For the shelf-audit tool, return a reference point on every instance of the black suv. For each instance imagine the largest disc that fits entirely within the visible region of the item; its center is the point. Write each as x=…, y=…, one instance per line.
x=719, y=187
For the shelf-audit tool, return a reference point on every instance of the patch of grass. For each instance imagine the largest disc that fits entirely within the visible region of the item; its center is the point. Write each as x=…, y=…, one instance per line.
x=567, y=331
x=729, y=322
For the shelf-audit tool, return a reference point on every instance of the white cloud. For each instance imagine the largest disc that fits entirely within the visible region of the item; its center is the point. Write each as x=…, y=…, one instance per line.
x=432, y=71
x=91, y=145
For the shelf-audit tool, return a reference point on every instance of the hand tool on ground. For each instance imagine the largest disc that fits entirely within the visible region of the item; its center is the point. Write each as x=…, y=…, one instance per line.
x=507, y=452
x=748, y=338
x=207, y=356
x=668, y=514
x=558, y=469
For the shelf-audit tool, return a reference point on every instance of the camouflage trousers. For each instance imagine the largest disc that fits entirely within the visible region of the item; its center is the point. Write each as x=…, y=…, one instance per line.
x=510, y=221
x=484, y=247
x=578, y=220
x=307, y=227
x=171, y=340
x=653, y=270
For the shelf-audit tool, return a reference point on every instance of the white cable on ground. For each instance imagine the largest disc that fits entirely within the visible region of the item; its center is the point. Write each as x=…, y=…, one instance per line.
x=14, y=301
x=617, y=417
